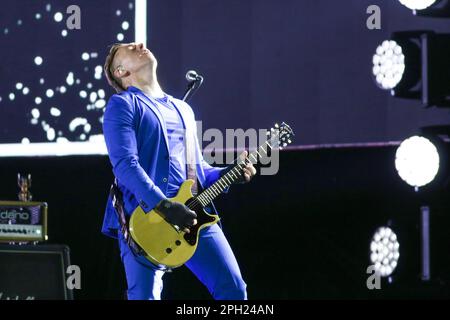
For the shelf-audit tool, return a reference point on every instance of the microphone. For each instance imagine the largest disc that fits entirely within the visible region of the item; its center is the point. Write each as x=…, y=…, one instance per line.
x=195, y=81
x=192, y=75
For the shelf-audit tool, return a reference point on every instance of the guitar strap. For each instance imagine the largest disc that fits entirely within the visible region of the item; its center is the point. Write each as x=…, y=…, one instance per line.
x=190, y=141
x=117, y=200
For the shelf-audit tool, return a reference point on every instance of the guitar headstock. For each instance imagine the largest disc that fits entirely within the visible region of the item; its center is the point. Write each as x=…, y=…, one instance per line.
x=280, y=135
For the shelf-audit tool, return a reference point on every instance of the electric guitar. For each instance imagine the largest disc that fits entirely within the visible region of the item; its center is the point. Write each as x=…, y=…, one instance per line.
x=167, y=246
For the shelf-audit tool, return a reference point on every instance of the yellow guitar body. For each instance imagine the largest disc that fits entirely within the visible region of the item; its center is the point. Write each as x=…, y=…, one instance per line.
x=163, y=244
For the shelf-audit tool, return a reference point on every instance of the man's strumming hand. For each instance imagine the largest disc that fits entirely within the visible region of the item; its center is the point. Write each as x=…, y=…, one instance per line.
x=177, y=214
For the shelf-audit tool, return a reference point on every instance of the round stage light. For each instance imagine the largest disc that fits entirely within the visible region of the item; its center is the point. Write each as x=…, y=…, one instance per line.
x=384, y=251
x=417, y=4
x=388, y=64
x=417, y=161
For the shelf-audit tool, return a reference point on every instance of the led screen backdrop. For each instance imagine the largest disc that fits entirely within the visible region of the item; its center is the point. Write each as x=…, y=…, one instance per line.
x=52, y=86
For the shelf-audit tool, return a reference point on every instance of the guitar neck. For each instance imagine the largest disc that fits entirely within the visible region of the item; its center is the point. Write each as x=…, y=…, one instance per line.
x=233, y=175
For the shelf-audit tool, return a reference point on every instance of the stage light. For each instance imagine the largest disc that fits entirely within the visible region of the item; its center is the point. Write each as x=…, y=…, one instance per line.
x=428, y=8
x=384, y=251
x=417, y=4
x=396, y=66
x=414, y=65
x=417, y=161
x=388, y=64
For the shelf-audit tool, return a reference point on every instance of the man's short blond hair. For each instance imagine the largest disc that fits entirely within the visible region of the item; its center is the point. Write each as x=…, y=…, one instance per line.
x=109, y=71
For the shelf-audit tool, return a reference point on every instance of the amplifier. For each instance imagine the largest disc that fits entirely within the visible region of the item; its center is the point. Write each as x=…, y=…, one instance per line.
x=34, y=272
x=23, y=221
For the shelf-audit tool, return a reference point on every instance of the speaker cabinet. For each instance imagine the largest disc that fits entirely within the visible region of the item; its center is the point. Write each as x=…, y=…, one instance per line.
x=34, y=272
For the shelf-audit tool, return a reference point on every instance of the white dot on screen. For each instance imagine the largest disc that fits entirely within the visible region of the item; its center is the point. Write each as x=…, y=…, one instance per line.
x=78, y=81
x=19, y=86
x=58, y=17
x=51, y=134
x=93, y=97
x=98, y=69
x=62, y=89
x=35, y=113
x=25, y=141
x=25, y=91
x=101, y=93
x=120, y=36
x=69, y=79
x=37, y=16
x=19, y=22
x=87, y=128
x=100, y=103
x=41, y=80
x=125, y=25
x=48, y=7
x=85, y=56
x=82, y=136
x=49, y=93
x=118, y=13
x=94, y=54
x=89, y=85
x=34, y=121
x=37, y=100
x=64, y=33
x=98, y=76
x=130, y=5
x=5, y=31
x=83, y=94
x=12, y=96
x=55, y=112
x=0, y=99
x=38, y=60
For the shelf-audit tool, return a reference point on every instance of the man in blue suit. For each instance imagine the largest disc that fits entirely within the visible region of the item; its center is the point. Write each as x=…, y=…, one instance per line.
x=144, y=130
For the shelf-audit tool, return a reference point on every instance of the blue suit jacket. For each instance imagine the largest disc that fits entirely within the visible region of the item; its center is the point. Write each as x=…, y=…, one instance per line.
x=137, y=143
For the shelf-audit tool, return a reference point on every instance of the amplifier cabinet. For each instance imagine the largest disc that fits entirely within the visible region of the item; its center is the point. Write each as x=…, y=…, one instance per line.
x=34, y=272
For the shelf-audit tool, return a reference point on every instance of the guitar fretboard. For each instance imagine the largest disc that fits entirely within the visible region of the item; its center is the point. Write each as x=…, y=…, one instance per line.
x=233, y=175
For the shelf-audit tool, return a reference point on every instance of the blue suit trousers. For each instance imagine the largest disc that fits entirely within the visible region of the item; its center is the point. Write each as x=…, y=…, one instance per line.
x=213, y=263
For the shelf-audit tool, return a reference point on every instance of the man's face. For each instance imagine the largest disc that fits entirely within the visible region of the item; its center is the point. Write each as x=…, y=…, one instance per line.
x=133, y=57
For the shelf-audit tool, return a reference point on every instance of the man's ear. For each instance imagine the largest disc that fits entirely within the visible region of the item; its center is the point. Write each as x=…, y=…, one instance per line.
x=120, y=72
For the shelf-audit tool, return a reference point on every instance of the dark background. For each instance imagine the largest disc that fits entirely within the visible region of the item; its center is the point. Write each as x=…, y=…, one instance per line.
x=301, y=234
x=306, y=61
